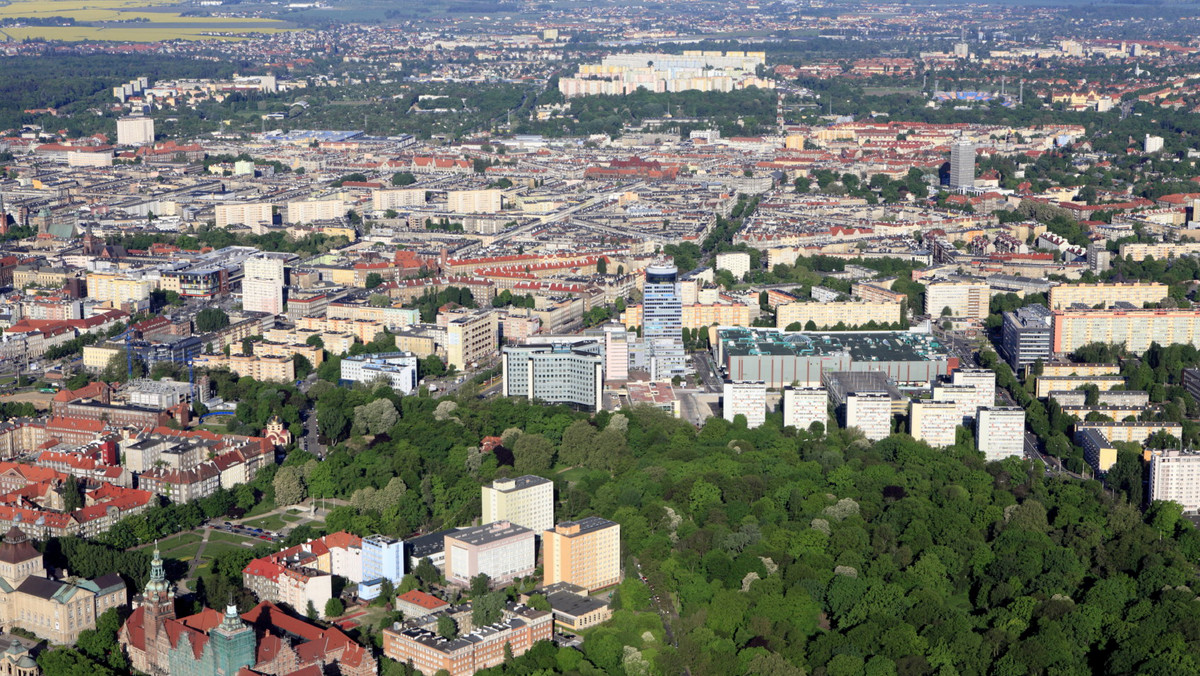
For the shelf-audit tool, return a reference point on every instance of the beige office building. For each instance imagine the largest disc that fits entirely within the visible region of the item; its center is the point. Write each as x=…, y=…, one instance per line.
x=114, y=289
x=698, y=316
x=135, y=131
x=982, y=380
x=616, y=353
x=965, y=299
x=97, y=357
x=526, y=501
x=1159, y=251
x=736, y=262
x=501, y=550
x=245, y=213
x=1046, y=385
x=586, y=553
x=273, y=368
x=1130, y=432
x=382, y=200
x=307, y=211
x=875, y=293
x=471, y=337
x=1091, y=295
x=847, y=313
x=1137, y=329
x=474, y=201
x=748, y=399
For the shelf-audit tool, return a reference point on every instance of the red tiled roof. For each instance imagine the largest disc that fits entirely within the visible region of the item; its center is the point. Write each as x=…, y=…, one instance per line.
x=420, y=598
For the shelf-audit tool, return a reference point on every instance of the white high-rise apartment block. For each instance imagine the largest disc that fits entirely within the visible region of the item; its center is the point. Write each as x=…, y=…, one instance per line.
x=870, y=412
x=736, y=262
x=962, y=164
x=1152, y=144
x=747, y=398
x=249, y=213
x=934, y=422
x=965, y=299
x=474, y=201
x=307, y=211
x=964, y=396
x=382, y=200
x=984, y=382
x=616, y=353
x=803, y=406
x=135, y=131
x=262, y=286
x=1175, y=476
x=525, y=501
x=1000, y=432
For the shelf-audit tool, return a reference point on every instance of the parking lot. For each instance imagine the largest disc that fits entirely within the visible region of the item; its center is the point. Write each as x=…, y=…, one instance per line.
x=247, y=531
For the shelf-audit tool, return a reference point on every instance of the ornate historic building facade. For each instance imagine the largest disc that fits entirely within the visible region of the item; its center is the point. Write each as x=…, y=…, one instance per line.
x=56, y=610
x=266, y=640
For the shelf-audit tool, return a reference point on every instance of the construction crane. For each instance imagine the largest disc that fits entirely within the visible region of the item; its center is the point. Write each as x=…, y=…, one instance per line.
x=142, y=348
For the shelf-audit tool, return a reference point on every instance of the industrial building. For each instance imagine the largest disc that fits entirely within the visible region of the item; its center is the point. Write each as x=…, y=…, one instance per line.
x=781, y=358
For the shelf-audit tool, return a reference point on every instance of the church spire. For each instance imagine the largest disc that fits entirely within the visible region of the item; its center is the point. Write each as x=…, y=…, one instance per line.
x=158, y=577
x=232, y=621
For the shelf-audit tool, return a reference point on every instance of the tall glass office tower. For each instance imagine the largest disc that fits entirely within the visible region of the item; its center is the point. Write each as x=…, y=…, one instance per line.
x=662, y=320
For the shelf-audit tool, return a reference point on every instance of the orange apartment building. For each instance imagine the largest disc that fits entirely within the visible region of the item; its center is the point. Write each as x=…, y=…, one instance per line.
x=586, y=553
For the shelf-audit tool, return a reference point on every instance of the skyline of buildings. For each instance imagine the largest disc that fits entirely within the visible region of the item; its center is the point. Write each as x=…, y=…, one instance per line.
x=574, y=209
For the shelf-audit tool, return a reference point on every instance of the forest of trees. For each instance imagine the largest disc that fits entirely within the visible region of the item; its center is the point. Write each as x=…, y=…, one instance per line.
x=777, y=550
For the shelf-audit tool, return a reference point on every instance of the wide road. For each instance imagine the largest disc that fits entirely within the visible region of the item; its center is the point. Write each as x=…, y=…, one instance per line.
x=562, y=215
x=707, y=369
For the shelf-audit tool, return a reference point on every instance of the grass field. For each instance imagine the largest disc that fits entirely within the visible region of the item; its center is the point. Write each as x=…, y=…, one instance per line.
x=109, y=20
x=230, y=538
x=273, y=522
x=186, y=546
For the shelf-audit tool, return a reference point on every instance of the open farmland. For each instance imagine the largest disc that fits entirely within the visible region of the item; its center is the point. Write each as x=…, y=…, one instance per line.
x=122, y=20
